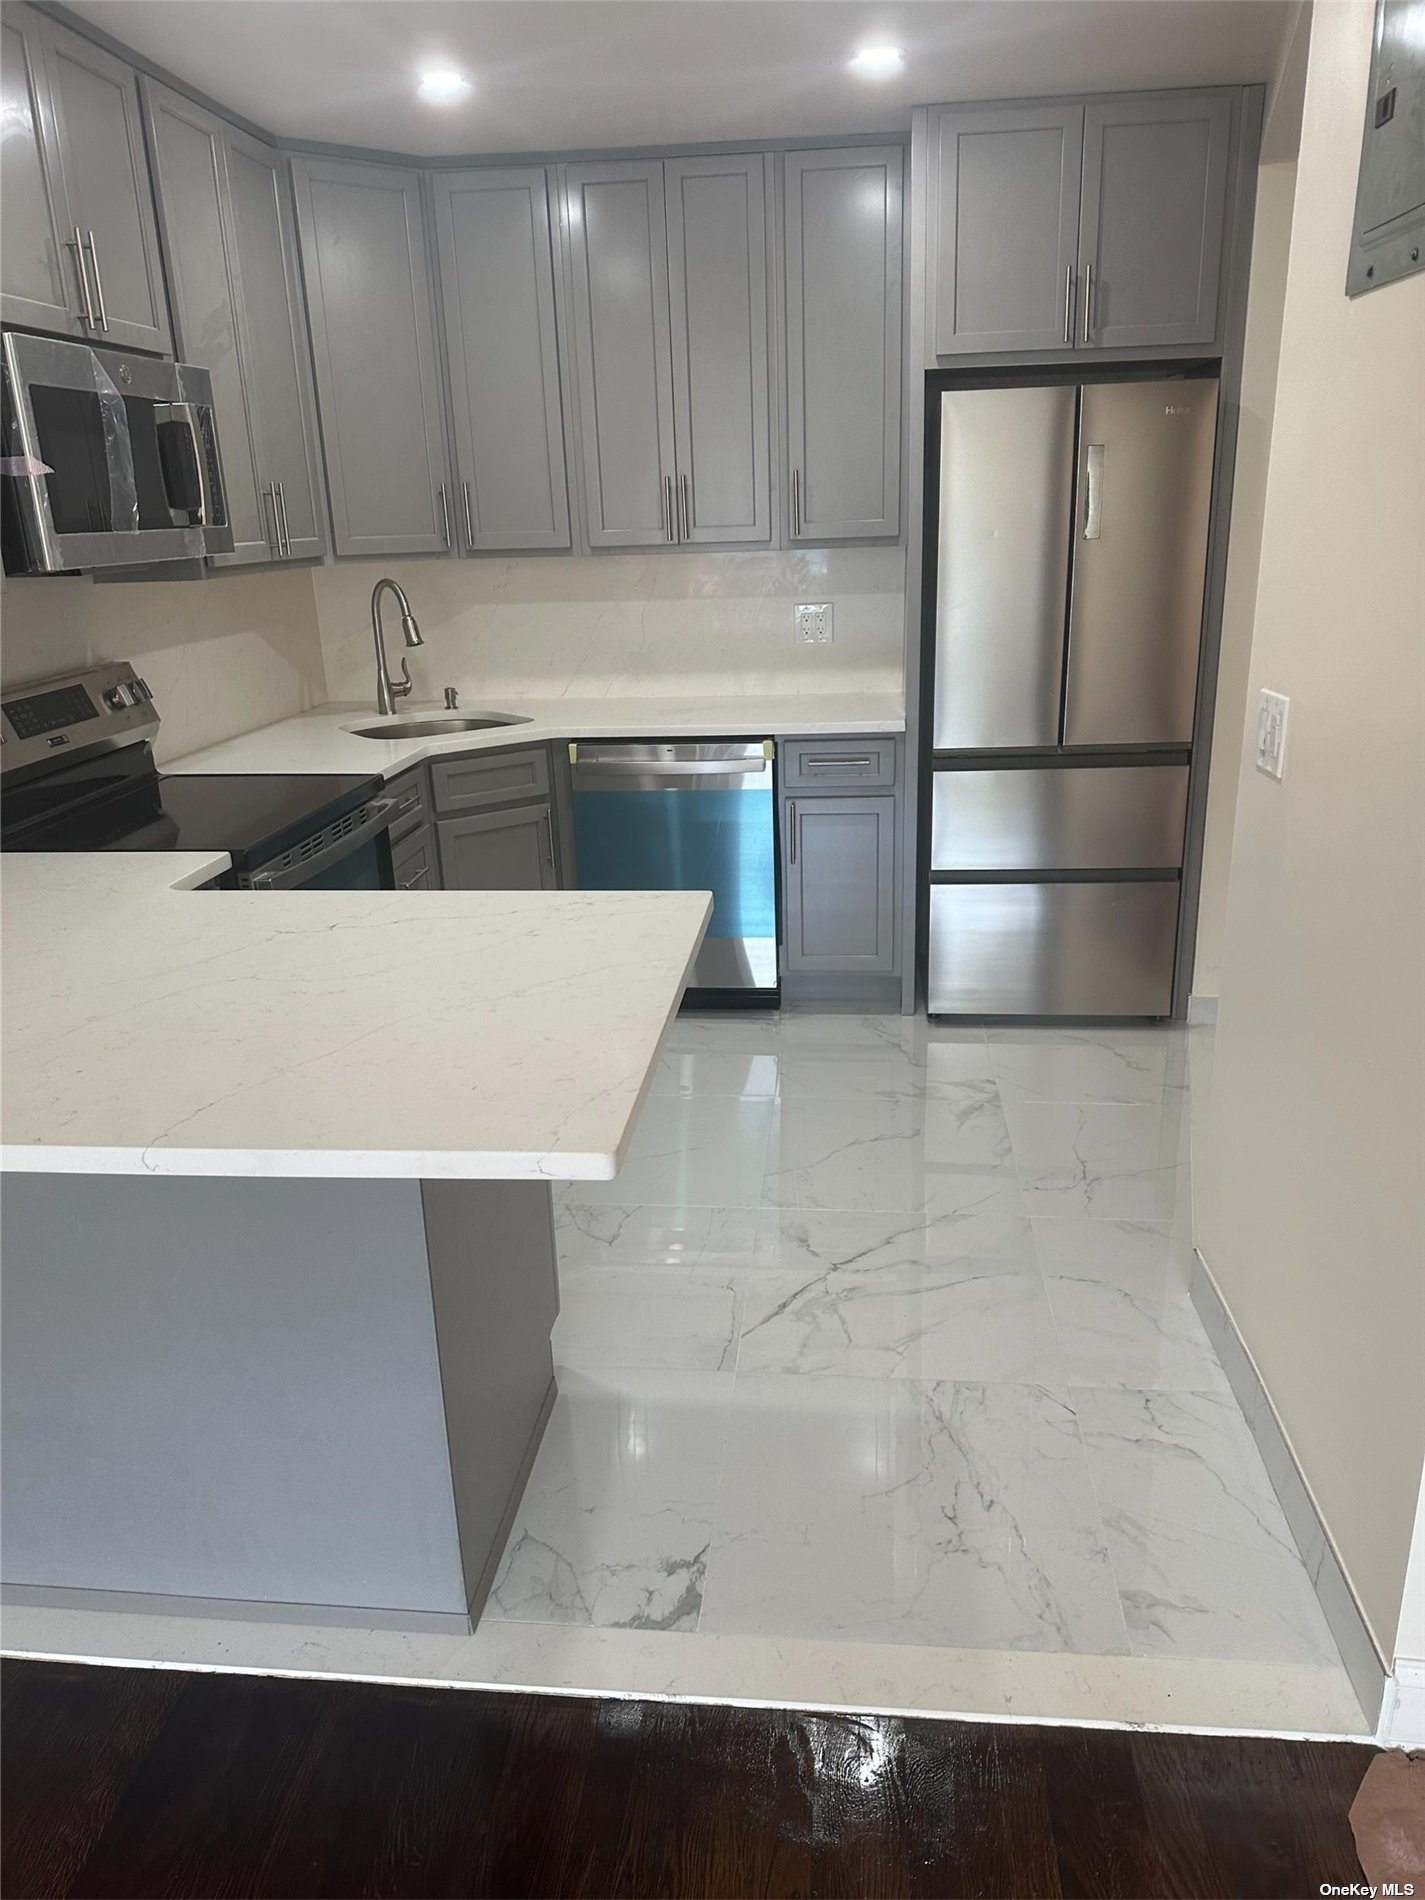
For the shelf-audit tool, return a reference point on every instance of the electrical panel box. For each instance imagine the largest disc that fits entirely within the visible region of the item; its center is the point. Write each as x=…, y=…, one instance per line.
x=1388, y=240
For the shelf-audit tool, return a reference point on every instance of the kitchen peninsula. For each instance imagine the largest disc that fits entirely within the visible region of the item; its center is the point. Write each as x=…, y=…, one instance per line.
x=277, y=1222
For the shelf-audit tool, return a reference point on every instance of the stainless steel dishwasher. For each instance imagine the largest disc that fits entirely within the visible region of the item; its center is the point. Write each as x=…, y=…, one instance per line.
x=688, y=817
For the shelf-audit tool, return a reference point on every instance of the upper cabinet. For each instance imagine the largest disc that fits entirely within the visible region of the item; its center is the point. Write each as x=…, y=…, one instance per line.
x=1154, y=208
x=237, y=313
x=369, y=298
x=1073, y=226
x=670, y=323
x=497, y=290
x=843, y=288
x=80, y=249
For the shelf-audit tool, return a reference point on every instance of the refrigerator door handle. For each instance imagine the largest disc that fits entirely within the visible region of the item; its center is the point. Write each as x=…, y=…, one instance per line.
x=1093, y=505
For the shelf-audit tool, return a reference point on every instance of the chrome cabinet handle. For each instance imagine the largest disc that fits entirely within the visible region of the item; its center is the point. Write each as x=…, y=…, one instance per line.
x=668, y=508
x=98, y=283
x=1093, y=507
x=1069, y=303
x=791, y=834
x=796, y=501
x=76, y=244
x=274, y=540
x=469, y=518
x=686, y=510
x=444, y=516
x=1088, y=302
x=285, y=532
x=839, y=761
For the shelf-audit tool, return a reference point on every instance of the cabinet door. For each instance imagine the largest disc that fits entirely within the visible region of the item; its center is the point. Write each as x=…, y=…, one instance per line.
x=187, y=145
x=1006, y=227
x=497, y=284
x=274, y=332
x=843, y=264
x=499, y=851
x=840, y=884
x=39, y=267
x=618, y=248
x=717, y=288
x=413, y=861
x=96, y=109
x=373, y=345
x=1154, y=205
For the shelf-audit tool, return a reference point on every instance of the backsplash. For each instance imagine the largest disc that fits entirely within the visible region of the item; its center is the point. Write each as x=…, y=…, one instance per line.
x=222, y=655
x=628, y=625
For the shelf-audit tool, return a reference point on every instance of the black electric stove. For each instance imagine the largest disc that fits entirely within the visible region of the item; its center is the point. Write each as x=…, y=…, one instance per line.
x=76, y=760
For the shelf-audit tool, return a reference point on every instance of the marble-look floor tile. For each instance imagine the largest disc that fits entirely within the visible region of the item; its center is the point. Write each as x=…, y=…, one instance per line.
x=1054, y=1065
x=649, y=1317
x=1103, y=1158
x=758, y=1032
x=987, y=1226
x=704, y=1152
x=1206, y=1565
x=975, y=1320
x=711, y=1072
x=1121, y=1334
x=858, y=1152
x=603, y=1234
x=615, y=1522
x=885, y=1510
x=1134, y=1252
x=965, y=1127
x=815, y=1072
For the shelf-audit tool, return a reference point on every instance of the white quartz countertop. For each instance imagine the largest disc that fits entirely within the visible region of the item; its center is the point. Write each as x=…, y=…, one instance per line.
x=153, y=1028
x=322, y=742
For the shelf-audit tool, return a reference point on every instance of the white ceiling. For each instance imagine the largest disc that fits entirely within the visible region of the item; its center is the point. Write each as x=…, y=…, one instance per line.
x=560, y=75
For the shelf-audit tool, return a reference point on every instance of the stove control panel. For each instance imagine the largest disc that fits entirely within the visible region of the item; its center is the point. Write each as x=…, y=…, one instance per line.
x=48, y=723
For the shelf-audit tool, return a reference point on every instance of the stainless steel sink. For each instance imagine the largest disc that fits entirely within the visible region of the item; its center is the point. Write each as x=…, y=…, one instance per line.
x=436, y=727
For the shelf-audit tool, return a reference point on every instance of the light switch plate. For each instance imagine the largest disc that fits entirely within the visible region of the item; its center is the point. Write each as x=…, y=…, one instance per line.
x=814, y=626
x=1271, y=733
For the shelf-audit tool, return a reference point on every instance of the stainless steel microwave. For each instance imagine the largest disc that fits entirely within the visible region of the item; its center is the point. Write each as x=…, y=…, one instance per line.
x=108, y=459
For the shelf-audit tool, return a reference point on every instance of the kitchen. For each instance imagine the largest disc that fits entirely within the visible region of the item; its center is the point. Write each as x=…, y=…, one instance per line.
x=733, y=625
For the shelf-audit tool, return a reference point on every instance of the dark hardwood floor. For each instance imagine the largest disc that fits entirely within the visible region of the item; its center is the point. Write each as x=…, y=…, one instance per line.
x=150, y=1782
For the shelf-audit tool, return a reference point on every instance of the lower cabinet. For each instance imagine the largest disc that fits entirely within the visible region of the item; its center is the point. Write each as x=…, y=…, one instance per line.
x=839, y=869
x=413, y=859
x=511, y=850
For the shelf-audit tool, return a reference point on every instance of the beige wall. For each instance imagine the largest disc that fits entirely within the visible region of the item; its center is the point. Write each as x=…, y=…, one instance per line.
x=1311, y=1216
x=222, y=655
x=1266, y=296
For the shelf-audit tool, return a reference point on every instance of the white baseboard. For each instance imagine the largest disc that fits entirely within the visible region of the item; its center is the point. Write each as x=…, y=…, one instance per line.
x=1402, y=1714
x=1344, y=1616
x=1202, y=1009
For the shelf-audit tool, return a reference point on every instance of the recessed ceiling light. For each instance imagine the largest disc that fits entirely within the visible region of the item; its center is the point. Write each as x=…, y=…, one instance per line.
x=442, y=86
x=878, y=62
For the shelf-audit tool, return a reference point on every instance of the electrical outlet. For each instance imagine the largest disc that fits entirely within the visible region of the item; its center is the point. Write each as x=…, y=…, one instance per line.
x=1271, y=733
x=814, y=623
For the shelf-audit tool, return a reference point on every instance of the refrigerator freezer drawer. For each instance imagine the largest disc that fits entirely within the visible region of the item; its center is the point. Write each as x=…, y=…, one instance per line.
x=1052, y=949
x=1064, y=818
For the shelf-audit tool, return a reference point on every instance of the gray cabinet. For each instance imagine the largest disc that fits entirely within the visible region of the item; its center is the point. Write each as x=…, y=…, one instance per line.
x=1087, y=224
x=1154, y=208
x=274, y=333
x=622, y=350
x=1006, y=237
x=839, y=885
x=843, y=373
x=40, y=284
x=507, y=850
x=236, y=311
x=670, y=341
x=497, y=289
x=414, y=861
x=365, y=262
x=82, y=256
x=717, y=290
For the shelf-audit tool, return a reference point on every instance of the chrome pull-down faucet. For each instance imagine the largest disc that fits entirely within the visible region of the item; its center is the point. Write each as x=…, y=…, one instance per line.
x=387, y=691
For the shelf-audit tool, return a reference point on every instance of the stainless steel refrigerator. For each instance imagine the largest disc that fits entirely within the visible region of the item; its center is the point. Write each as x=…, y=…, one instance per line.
x=1069, y=585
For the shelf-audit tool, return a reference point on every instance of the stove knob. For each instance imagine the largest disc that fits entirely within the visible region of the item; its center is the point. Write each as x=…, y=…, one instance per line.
x=135, y=696
x=114, y=699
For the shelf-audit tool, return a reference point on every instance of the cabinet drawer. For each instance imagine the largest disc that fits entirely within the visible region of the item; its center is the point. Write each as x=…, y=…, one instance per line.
x=413, y=860
x=1069, y=818
x=412, y=803
x=490, y=778
x=809, y=763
